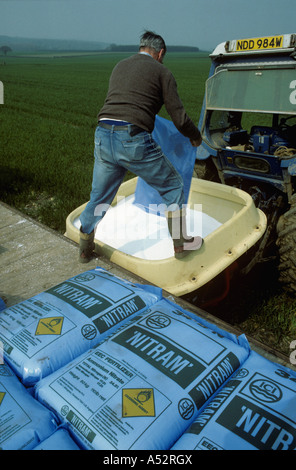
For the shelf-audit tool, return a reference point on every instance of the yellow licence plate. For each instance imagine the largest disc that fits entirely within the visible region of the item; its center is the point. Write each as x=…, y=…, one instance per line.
x=255, y=44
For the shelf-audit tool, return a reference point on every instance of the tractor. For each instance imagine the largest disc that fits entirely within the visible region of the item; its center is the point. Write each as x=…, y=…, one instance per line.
x=248, y=126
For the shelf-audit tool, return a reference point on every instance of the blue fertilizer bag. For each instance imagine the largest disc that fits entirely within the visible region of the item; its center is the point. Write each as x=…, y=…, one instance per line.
x=181, y=154
x=24, y=422
x=255, y=410
x=59, y=440
x=143, y=385
x=43, y=333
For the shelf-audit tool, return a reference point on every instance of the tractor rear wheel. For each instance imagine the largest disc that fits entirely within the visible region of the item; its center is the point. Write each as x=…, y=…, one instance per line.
x=286, y=242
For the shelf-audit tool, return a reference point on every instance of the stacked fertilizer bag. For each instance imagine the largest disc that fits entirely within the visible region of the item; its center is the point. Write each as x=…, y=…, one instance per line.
x=59, y=440
x=45, y=332
x=143, y=385
x=24, y=422
x=256, y=409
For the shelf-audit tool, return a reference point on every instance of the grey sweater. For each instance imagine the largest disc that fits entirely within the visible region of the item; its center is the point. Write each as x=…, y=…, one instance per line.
x=138, y=88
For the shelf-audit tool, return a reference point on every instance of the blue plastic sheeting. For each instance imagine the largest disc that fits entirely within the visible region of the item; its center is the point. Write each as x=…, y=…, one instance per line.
x=179, y=151
x=45, y=332
x=24, y=422
x=143, y=386
x=255, y=410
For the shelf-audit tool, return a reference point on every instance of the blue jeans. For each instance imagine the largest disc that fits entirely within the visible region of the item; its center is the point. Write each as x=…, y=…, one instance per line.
x=115, y=153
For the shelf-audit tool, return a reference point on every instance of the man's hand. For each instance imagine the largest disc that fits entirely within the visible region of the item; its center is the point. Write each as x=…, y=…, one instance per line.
x=196, y=142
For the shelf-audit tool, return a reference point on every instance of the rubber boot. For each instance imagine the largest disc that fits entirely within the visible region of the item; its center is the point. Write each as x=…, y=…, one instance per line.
x=183, y=243
x=86, y=246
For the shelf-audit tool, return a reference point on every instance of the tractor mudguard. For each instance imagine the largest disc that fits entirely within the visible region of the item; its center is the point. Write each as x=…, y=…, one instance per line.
x=203, y=152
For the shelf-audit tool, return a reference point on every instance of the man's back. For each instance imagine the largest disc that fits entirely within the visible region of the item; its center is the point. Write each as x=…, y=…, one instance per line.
x=136, y=89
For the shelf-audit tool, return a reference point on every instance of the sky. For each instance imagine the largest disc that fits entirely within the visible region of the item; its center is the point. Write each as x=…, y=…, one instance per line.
x=200, y=23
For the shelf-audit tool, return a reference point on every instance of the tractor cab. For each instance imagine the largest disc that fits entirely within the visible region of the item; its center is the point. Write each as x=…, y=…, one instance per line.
x=248, y=119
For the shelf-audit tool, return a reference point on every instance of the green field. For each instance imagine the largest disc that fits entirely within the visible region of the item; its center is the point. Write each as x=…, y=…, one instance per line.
x=47, y=124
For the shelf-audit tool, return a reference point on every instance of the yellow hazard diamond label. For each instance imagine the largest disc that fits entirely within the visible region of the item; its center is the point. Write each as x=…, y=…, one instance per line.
x=2, y=394
x=49, y=326
x=138, y=402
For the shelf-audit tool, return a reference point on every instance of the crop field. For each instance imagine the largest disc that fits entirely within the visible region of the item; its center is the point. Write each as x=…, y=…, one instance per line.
x=47, y=124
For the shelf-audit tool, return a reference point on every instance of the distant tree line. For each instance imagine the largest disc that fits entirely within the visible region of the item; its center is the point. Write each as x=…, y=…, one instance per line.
x=132, y=48
x=63, y=45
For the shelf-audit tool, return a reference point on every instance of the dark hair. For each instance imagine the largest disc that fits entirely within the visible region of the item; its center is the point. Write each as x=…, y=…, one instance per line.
x=152, y=41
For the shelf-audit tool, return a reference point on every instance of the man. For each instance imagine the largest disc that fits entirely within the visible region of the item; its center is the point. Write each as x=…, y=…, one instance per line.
x=138, y=88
